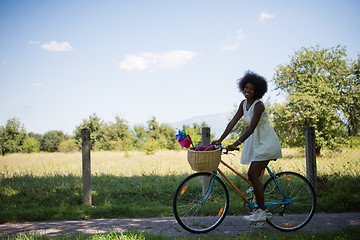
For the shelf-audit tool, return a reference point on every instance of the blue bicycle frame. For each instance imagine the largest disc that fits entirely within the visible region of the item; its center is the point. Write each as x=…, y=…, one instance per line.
x=250, y=203
x=281, y=190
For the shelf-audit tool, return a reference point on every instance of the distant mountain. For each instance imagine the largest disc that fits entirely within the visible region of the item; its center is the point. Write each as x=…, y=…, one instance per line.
x=217, y=122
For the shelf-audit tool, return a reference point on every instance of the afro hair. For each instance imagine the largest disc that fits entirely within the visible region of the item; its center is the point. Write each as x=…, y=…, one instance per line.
x=258, y=81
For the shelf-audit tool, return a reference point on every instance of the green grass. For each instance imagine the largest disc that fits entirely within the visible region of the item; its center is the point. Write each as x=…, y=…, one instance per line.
x=345, y=234
x=48, y=186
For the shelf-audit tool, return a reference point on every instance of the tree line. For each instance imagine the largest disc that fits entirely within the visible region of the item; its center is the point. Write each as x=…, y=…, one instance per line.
x=105, y=136
x=322, y=89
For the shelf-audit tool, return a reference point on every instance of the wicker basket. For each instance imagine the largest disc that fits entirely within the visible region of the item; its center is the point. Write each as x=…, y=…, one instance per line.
x=206, y=161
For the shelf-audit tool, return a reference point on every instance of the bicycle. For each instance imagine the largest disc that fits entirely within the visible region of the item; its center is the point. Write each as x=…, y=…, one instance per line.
x=201, y=201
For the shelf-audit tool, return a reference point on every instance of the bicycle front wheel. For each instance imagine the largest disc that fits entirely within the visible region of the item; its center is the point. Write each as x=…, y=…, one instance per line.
x=201, y=202
x=294, y=211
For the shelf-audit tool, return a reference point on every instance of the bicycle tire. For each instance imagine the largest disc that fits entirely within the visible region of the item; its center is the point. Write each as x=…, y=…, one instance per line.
x=293, y=216
x=189, y=211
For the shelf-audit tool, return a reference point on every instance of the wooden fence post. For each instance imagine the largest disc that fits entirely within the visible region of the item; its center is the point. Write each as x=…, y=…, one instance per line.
x=310, y=155
x=86, y=166
x=205, y=135
x=205, y=139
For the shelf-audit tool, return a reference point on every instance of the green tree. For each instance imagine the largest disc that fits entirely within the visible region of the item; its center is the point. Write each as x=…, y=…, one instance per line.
x=94, y=124
x=168, y=140
x=151, y=144
x=35, y=136
x=107, y=136
x=31, y=145
x=117, y=136
x=350, y=98
x=51, y=140
x=32, y=142
x=140, y=135
x=157, y=136
x=12, y=136
x=195, y=132
x=313, y=81
x=68, y=145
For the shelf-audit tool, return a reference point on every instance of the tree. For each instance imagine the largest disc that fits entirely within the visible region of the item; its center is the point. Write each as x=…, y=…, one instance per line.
x=67, y=145
x=12, y=136
x=315, y=82
x=168, y=140
x=140, y=135
x=117, y=136
x=350, y=98
x=158, y=136
x=31, y=145
x=51, y=140
x=94, y=124
x=195, y=132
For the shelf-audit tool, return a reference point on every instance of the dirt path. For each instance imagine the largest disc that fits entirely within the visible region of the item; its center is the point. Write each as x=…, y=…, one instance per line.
x=232, y=226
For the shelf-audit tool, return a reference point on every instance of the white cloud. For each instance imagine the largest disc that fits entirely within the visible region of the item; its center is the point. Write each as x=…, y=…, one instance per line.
x=234, y=43
x=57, y=46
x=148, y=60
x=133, y=63
x=265, y=16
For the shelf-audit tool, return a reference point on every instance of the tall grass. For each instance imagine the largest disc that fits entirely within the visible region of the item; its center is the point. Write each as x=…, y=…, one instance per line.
x=345, y=162
x=41, y=186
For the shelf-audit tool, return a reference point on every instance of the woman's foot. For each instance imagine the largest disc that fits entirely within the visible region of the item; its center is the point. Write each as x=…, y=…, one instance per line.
x=258, y=216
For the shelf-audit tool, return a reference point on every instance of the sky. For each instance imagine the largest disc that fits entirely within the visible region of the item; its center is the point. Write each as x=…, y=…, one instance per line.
x=63, y=60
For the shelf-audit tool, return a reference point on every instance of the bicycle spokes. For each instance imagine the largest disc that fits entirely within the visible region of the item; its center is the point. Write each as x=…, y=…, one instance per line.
x=198, y=210
x=291, y=199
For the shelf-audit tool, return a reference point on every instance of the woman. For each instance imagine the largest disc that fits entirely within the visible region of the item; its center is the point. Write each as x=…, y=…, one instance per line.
x=261, y=144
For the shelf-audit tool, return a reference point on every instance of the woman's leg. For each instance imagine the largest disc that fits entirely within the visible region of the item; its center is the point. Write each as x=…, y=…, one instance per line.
x=254, y=173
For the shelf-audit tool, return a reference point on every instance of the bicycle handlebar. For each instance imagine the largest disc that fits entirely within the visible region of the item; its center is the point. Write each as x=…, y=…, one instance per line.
x=226, y=149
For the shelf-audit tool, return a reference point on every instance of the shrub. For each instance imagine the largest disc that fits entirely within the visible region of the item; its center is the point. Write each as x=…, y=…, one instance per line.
x=50, y=141
x=31, y=145
x=68, y=145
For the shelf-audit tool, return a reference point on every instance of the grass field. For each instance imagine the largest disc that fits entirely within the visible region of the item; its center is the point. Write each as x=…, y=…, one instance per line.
x=43, y=186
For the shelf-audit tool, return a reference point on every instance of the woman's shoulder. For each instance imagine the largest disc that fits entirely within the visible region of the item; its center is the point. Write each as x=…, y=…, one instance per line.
x=242, y=103
x=259, y=104
x=258, y=101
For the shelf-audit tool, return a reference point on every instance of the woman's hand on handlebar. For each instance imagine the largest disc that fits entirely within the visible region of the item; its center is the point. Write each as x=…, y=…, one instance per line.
x=232, y=147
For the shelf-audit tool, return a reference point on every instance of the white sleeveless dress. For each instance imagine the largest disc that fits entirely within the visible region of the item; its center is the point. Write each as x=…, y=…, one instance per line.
x=263, y=144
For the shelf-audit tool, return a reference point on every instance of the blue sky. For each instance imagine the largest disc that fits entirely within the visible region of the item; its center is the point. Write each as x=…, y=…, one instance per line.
x=61, y=61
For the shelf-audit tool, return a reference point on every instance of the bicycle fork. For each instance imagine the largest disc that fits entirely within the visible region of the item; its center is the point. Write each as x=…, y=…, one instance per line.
x=208, y=183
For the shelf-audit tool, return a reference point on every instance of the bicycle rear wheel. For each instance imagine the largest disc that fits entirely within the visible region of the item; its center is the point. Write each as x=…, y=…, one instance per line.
x=193, y=211
x=296, y=214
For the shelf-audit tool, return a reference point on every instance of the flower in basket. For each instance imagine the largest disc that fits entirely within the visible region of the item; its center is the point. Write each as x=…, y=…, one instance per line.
x=183, y=139
x=207, y=147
